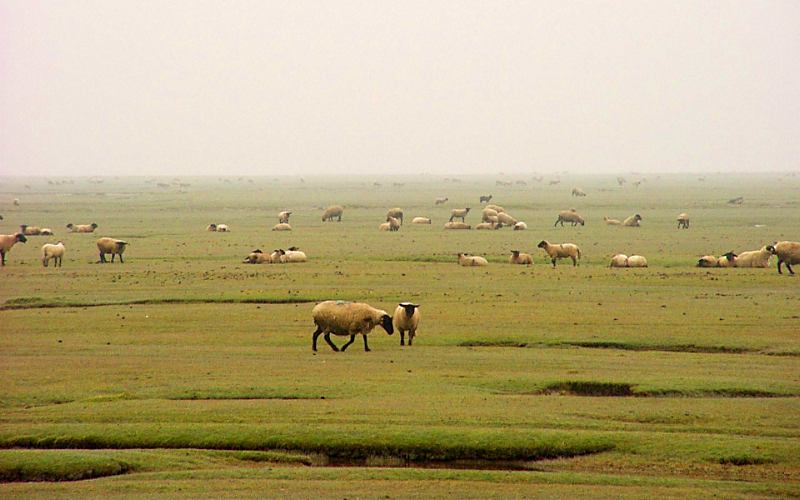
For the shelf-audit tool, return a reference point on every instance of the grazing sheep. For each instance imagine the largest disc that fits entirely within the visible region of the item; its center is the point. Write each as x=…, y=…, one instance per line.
x=283, y=217
x=468, y=260
x=30, y=230
x=520, y=258
x=46, y=231
x=612, y=222
x=487, y=225
x=496, y=208
x=258, y=257
x=112, y=246
x=55, y=252
x=683, y=221
x=788, y=252
x=570, y=216
x=282, y=226
x=506, y=219
x=420, y=220
x=755, y=258
x=632, y=221
x=489, y=215
x=459, y=213
x=520, y=226
x=440, y=201
x=707, y=261
x=727, y=260
x=7, y=241
x=561, y=251
x=84, y=228
x=406, y=319
x=619, y=260
x=456, y=225
x=578, y=192
x=333, y=211
x=347, y=318
x=485, y=199
x=637, y=261
x=396, y=213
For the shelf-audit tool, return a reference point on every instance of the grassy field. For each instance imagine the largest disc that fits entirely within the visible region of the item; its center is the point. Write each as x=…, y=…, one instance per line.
x=185, y=372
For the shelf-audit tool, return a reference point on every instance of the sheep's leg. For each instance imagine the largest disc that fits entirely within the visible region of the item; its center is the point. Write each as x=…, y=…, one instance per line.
x=403, y=338
x=366, y=347
x=554, y=225
x=451, y=218
x=3, y=255
x=779, y=266
x=120, y=259
x=553, y=260
x=102, y=257
x=327, y=338
x=314, y=338
x=410, y=337
x=574, y=261
x=112, y=257
x=789, y=267
x=352, y=339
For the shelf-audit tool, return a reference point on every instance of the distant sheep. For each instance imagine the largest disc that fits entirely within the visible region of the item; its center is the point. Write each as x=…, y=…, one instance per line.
x=486, y=225
x=619, y=260
x=467, y=260
x=30, y=230
x=520, y=226
x=520, y=258
x=16, y=202
x=562, y=251
x=283, y=217
x=506, y=219
x=612, y=222
x=459, y=213
x=621, y=180
x=258, y=257
x=456, y=225
x=406, y=319
x=347, y=318
x=736, y=201
x=112, y=246
x=440, y=201
x=496, y=208
x=46, y=231
x=283, y=226
x=788, y=252
x=578, y=192
x=391, y=224
x=570, y=216
x=218, y=228
x=396, y=213
x=53, y=252
x=81, y=228
x=333, y=211
x=632, y=221
x=485, y=198
x=683, y=221
x=755, y=258
x=707, y=261
x=420, y=220
x=637, y=261
x=7, y=241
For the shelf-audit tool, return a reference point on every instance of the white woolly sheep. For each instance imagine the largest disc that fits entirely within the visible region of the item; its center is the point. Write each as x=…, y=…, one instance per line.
x=54, y=252
x=30, y=230
x=81, y=228
x=282, y=226
x=112, y=246
x=520, y=258
x=506, y=219
x=683, y=221
x=440, y=201
x=396, y=213
x=347, y=318
x=391, y=224
x=489, y=215
x=459, y=213
x=578, y=192
x=258, y=257
x=420, y=220
x=496, y=208
x=7, y=241
x=456, y=225
x=707, y=261
x=755, y=258
x=788, y=252
x=293, y=256
x=223, y=228
x=283, y=217
x=406, y=319
x=637, y=261
x=520, y=226
x=333, y=211
x=487, y=225
x=570, y=216
x=561, y=251
x=468, y=260
x=46, y=231
x=619, y=260
x=612, y=222
x=632, y=221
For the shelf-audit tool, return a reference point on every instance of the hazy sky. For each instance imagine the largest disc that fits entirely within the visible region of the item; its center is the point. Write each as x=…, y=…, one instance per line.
x=197, y=87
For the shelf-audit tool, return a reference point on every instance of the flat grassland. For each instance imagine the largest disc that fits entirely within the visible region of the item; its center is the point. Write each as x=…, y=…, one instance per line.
x=184, y=372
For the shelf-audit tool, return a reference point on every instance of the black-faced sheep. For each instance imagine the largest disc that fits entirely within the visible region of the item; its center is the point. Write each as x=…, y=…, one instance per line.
x=7, y=241
x=570, y=216
x=578, y=192
x=788, y=252
x=520, y=258
x=81, y=228
x=333, y=211
x=755, y=258
x=683, y=221
x=467, y=260
x=112, y=246
x=485, y=198
x=406, y=319
x=440, y=201
x=520, y=226
x=347, y=318
x=283, y=217
x=561, y=251
x=632, y=221
x=459, y=213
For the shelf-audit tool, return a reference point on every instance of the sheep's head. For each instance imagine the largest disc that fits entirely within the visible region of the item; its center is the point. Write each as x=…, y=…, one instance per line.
x=542, y=244
x=770, y=249
x=94, y=225
x=730, y=256
x=515, y=253
x=386, y=324
x=21, y=238
x=294, y=249
x=581, y=221
x=409, y=308
x=69, y=226
x=637, y=217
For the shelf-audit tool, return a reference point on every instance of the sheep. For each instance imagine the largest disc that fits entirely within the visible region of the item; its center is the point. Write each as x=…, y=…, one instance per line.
x=736, y=201
x=223, y=228
x=347, y=318
x=683, y=221
x=391, y=224
x=440, y=201
x=570, y=216
x=211, y=227
x=486, y=225
x=506, y=219
x=456, y=225
x=468, y=260
x=485, y=198
x=396, y=213
x=291, y=256
x=727, y=260
x=707, y=261
x=406, y=319
x=459, y=213
x=16, y=202
x=283, y=217
x=520, y=258
x=85, y=228
x=612, y=222
x=112, y=246
x=489, y=215
x=282, y=226
x=788, y=252
x=619, y=260
x=7, y=241
x=331, y=212
x=496, y=208
x=46, y=231
x=621, y=180
x=637, y=261
x=578, y=192
x=258, y=257
x=632, y=221
x=55, y=252
x=30, y=230
x=503, y=183
x=520, y=226
x=554, y=182
x=420, y=220
x=561, y=251
x=755, y=258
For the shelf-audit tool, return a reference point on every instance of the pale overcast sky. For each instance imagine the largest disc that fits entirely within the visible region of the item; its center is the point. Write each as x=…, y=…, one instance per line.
x=262, y=87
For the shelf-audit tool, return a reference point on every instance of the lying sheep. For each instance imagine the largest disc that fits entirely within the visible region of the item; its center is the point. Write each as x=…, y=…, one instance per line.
x=112, y=246
x=396, y=213
x=456, y=225
x=520, y=226
x=788, y=252
x=406, y=319
x=755, y=258
x=283, y=217
x=30, y=230
x=707, y=261
x=637, y=261
x=496, y=208
x=520, y=258
x=683, y=221
x=258, y=257
x=420, y=220
x=333, y=211
x=82, y=228
x=619, y=260
x=459, y=213
x=486, y=225
x=282, y=226
x=46, y=231
x=7, y=241
x=727, y=260
x=632, y=221
x=347, y=318
x=54, y=252
x=485, y=198
x=561, y=251
x=506, y=219
x=468, y=260
x=578, y=192
x=223, y=228
x=570, y=216
x=288, y=256
x=391, y=224
x=211, y=227
x=440, y=201
x=612, y=222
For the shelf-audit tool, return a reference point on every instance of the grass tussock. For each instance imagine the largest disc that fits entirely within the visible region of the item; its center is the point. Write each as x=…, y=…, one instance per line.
x=624, y=389
x=628, y=346
x=43, y=465
x=493, y=343
x=744, y=459
x=579, y=388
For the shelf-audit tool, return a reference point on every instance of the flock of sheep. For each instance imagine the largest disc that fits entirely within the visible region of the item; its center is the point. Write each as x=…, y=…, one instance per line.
x=55, y=252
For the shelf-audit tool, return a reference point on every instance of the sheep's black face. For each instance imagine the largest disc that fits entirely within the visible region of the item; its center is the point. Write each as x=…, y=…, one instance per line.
x=771, y=249
x=582, y=223
x=409, y=308
x=386, y=323
x=542, y=244
x=21, y=238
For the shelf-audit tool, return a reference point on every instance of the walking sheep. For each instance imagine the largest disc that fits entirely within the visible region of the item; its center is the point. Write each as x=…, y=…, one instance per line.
x=347, y=318
x=406, y=319
x=570, y=216
x=333, y=211
x=7, y=241
x=485, y=199
x=54, y=252
x=632, y=221
x=468, y=260
x=459, y=213
x=283, y=217
x=112, y=246
x=683, y=221
x=81, y=228
x=561, y=251
x=520, y=258
x=788, y=252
